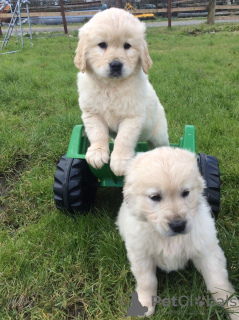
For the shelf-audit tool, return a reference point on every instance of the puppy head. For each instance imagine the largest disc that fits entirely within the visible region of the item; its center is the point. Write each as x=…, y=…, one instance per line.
x=164, y=187
x=112, y=45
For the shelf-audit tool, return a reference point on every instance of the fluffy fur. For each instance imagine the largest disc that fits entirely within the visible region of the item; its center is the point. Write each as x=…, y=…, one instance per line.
x=165, y=221
x=115, y=95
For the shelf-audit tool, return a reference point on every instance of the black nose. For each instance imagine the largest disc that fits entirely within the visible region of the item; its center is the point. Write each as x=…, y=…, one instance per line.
x=177, y=226
x=116, y=68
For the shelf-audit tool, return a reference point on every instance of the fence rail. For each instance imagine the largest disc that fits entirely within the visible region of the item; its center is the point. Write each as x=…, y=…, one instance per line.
x=220, y=8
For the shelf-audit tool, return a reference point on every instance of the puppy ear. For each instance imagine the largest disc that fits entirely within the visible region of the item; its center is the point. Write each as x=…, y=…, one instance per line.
x=80, y=58
x=145, y=58
x=201, y=184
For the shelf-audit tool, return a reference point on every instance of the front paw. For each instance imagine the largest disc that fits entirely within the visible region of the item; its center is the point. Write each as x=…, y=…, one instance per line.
x=97, y=157
x=140, y=306
x=147, y=303
x=118, y=166
x=234, y=312
x=119, y=163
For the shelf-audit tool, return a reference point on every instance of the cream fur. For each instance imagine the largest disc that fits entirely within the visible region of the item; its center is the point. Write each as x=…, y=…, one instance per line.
x=144, y=224
x=125, y=106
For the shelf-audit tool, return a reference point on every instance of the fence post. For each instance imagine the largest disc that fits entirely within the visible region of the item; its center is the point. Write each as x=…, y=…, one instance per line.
x=0, y=28
x=120, y=4
x=211, y=11
x=169, y=14
x=63, y=16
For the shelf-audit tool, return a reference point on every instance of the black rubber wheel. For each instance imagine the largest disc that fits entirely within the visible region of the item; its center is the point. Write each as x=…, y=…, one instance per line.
x=209, y=168
x=75, y=185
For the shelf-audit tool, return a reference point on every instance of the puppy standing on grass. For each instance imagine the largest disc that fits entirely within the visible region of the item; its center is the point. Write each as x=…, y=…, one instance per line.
x=115, y=95
x=165, y=221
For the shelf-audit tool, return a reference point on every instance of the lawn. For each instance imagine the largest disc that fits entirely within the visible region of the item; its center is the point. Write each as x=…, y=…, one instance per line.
x=54, y=266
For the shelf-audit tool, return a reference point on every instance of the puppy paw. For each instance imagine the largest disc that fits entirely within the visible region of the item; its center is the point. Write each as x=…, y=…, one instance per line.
x=118, y=166
x=151, y=309
x=97, y=157
x=150, y=312
x=119, y=162
x=234, y=316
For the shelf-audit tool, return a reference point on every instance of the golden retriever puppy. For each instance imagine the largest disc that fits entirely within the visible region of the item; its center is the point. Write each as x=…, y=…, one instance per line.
x=165, y=221
x=115, y=95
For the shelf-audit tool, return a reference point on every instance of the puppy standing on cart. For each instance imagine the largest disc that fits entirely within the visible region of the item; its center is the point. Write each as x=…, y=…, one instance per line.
x=115, y=95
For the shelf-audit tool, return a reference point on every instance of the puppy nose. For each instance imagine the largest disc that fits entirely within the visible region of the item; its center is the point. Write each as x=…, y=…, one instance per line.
x=177, y=226
x=116, y=68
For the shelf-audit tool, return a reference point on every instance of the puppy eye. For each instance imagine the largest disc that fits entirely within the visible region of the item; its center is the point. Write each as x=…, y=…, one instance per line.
x=127, y=46
x=102, y=45
x=156, y=198
x=185, y=193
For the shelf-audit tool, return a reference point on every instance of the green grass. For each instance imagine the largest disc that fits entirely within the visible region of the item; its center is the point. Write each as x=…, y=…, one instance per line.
x=53, y=266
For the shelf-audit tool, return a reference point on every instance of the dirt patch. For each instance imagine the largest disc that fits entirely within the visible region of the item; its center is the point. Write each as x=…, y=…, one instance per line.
x=3, y=190
x=7, y=181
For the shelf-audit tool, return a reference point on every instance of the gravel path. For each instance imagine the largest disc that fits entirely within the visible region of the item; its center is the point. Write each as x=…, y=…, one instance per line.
x=70, y=28
x=185, y=23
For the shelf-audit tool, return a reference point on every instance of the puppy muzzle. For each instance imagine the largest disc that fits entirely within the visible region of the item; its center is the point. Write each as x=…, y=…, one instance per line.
x=116, y=68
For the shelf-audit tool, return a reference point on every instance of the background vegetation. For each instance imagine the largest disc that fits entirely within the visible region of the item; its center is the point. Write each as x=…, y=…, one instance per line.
x=54, y=266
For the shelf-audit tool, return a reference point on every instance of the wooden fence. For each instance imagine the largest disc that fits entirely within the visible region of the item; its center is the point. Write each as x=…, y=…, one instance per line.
x=85, y=9
x=232, y=9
